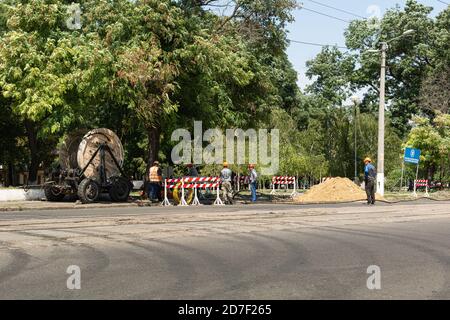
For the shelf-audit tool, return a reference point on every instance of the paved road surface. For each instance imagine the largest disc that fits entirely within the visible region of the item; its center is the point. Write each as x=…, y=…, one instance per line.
x=242, y=252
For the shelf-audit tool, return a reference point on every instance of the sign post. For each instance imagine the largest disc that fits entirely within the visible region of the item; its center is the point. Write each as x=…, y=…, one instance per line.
x=401, y=179
x=412, y=156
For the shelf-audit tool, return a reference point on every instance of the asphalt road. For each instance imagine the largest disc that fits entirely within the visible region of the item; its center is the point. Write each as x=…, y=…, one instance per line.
x=242, y=252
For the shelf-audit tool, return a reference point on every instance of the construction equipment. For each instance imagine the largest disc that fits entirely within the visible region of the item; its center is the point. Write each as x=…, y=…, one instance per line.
x=89, y=164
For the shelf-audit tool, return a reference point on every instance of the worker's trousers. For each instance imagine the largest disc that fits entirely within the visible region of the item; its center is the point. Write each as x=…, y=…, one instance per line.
x=227, y=192
x=154, y=191
x=370, y=190
x=253, y=189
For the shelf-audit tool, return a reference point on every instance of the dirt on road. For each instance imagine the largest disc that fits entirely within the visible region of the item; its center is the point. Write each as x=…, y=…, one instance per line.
x=332, y=191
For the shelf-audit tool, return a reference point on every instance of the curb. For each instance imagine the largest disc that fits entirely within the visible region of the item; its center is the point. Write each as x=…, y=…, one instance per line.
x=77, y=207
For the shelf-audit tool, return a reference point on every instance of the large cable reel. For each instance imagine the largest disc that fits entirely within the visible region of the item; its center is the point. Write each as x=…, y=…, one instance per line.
x=90, y=145
x=90, y=164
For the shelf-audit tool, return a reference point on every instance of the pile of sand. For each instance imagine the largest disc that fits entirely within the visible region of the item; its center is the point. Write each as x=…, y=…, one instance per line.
x=333, y=190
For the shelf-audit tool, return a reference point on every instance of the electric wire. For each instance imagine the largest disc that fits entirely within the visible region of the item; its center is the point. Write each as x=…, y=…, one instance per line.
x=323, y=14
x=337, y=9
x=318, y=44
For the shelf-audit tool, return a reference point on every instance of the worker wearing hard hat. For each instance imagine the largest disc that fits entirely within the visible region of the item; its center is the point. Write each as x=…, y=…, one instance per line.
x=253, y=181
x=227, y=189
x=155, y=181
x=370, y=176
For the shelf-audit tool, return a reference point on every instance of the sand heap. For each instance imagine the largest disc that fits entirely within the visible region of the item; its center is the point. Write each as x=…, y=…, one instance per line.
x=333, y=190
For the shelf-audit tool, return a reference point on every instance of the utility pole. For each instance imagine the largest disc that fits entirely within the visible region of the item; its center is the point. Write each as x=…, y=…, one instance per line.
x=356, y=147
x=356, y=102
x=381, y=121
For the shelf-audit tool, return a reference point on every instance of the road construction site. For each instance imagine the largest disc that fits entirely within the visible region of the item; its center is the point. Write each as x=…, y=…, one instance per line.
x=262, y=251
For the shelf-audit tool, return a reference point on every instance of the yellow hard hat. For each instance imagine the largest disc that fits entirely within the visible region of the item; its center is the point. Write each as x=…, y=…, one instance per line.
x=367, y=160
x=225, y=164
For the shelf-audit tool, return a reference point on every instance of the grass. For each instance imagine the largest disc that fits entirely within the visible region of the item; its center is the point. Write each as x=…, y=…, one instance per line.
x=402, y=196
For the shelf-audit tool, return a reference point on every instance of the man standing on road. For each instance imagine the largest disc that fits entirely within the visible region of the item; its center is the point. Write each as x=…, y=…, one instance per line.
x=370, y=175
x=253, y=181
x=227, y=189
x=155, y=180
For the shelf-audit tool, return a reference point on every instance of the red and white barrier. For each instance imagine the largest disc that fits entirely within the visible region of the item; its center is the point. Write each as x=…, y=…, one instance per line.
x=192, y=183
x=241, y=180
x=166, y=201
x=196, y=186
x=421, y=183
x=284, y=180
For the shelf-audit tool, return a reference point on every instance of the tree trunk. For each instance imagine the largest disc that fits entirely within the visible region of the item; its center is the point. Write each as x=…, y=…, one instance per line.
x=10, y=175
x=431, y=172
x=34, y=157
x=153, y=147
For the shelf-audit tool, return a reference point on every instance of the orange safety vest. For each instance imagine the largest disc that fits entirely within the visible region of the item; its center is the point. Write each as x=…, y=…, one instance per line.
x=154, y=176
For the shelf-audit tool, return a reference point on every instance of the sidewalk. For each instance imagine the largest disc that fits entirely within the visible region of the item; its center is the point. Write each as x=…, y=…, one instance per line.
x=46, y=205
x=6, y=206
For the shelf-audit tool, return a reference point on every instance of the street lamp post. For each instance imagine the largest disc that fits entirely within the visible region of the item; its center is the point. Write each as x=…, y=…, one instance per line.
x=381, y=120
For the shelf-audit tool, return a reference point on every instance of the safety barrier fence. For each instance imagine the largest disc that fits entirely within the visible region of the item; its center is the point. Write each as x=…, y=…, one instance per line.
x=241, y=181
x=421, y=183
x=201, y=183
x=194, y=183
x=284, y=180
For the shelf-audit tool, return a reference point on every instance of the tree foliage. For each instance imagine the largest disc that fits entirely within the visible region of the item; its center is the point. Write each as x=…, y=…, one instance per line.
x=144, y=68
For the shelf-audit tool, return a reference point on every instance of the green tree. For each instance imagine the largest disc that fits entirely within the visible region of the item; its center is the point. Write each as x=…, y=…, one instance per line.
x=427, y=138
x=331, y=70
x=409, y=59
x=45, y=71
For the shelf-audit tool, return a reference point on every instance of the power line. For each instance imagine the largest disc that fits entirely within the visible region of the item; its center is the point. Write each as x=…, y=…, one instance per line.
x=317, y=44
x=324, y=14
x=443, y=2
x=337, y=9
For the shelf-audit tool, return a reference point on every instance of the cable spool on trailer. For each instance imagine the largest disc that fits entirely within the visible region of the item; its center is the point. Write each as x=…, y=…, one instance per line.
x=90, y=146
x=90, y=164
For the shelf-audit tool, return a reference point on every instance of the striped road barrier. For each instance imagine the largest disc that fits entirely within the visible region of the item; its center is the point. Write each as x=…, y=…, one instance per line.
x=193, y=183
x=284, y=180
x=421, y=183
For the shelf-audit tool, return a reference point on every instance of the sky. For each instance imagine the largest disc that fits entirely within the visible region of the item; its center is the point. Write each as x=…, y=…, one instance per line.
x=315, y=28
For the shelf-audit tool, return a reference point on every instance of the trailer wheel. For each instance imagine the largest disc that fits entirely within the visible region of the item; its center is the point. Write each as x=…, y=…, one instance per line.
x=120, y=189
x=88, y=191
x=53, y=193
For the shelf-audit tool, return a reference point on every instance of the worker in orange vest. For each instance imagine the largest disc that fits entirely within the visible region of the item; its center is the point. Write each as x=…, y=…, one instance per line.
x=155, y=181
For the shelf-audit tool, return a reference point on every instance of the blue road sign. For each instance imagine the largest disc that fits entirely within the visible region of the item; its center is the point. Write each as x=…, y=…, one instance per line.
x=412, y=155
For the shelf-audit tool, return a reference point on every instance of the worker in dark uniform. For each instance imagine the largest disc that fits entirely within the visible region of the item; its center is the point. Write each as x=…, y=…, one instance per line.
x=192, y=171
x=370, y=177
